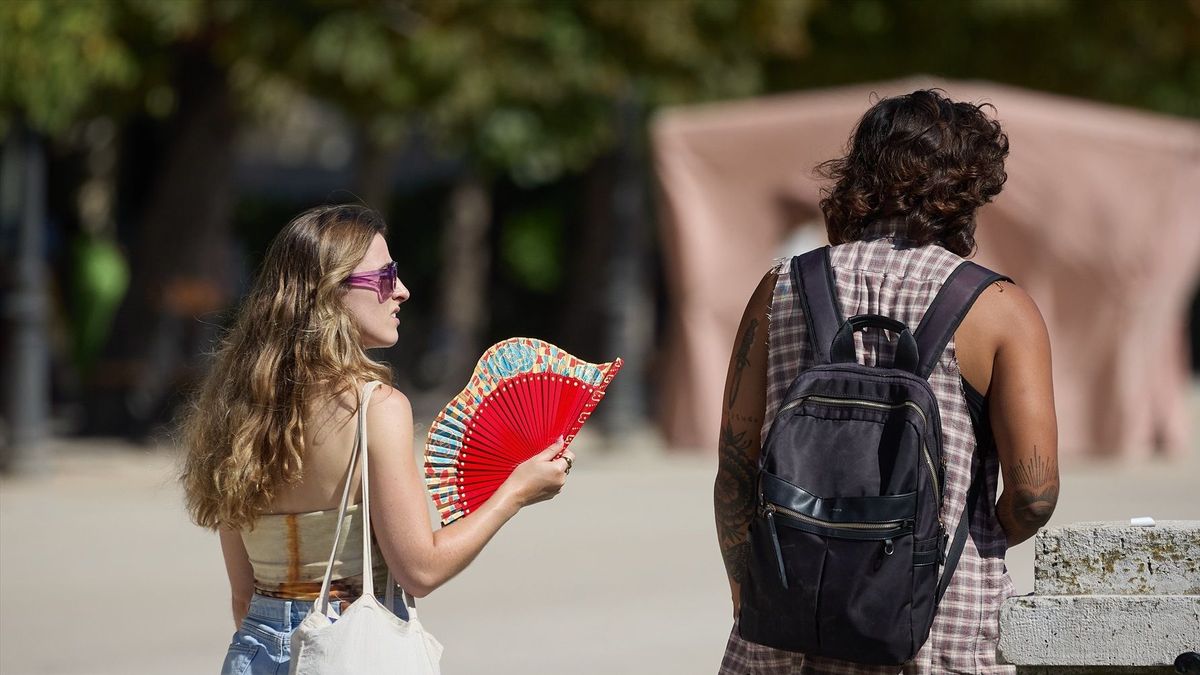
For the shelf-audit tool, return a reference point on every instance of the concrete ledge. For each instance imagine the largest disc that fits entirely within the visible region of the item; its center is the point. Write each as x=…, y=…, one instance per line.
x=1118, y=559
x=1099, y=630
x=1095, y=670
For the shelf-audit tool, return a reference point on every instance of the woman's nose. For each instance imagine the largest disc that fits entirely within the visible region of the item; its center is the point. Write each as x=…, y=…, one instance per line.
x=401, y=293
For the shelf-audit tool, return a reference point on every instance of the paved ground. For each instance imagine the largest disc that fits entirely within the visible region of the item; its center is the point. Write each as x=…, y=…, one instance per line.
x=101, y=573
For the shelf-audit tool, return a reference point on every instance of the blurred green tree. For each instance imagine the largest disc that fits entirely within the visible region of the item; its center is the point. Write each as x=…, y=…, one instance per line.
x=531, y=91
x=1139, y=54
x=524, y=90
x=55, y=57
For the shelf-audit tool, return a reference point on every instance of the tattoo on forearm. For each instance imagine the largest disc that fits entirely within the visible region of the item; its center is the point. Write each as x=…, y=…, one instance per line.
x=733, y=497
x=1035, y=490
x=742, y=359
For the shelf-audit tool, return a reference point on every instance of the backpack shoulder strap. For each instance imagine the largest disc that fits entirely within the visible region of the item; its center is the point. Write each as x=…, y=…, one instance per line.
x=960, y=535
x=947, y=311
x=943, y=317
x=812, y=280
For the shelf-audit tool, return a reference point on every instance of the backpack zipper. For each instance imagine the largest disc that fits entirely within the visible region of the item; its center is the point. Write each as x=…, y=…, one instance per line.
x=771, y=508
x=856, y=403
x=770, y=516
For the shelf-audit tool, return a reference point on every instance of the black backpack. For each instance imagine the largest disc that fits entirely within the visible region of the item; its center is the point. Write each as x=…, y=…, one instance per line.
x=845, y=546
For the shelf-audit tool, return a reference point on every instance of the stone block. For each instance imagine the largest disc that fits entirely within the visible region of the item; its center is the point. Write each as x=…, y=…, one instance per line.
x=1118, y=559
x=1099, y=630
x=1095, y=670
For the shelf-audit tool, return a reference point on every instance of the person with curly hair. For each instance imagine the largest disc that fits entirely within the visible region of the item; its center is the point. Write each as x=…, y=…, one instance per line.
x=900, y=215
x=270, y=435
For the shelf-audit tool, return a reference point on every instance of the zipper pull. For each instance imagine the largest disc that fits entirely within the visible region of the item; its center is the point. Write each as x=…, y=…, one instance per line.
x=886, y=549
x=769, y=513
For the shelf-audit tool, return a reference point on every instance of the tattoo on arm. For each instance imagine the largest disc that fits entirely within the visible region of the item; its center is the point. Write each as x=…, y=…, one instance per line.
x=738, y=448
x=734, y=499
x=1035, y=490
x=742, y=359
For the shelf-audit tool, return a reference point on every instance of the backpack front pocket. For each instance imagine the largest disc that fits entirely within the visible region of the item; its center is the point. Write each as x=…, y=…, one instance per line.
x=779, y=600
x=839, y=582
x=866, y=608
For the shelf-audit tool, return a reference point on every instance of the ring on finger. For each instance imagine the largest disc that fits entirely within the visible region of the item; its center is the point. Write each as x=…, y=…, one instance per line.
x=569, y=464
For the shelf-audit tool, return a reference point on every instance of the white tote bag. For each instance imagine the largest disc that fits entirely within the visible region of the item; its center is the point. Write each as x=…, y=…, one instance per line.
x=368, y=639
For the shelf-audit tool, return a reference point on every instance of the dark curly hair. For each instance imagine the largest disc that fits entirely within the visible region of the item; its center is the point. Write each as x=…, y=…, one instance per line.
x=919, y=165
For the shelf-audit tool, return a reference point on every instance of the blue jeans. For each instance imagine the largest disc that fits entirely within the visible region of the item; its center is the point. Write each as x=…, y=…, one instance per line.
x=262, y=645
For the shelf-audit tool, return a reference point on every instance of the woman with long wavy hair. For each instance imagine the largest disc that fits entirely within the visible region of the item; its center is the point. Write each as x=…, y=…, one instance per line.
x=270, y=434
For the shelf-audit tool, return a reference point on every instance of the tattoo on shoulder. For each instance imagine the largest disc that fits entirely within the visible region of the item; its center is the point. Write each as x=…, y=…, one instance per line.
x=742, y=359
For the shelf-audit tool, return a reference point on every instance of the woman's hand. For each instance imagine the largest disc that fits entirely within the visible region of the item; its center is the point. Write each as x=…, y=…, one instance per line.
x=421, y=559
x=540, y=477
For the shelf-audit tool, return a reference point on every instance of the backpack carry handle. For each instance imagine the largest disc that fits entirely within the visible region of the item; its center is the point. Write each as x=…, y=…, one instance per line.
x=842, y=349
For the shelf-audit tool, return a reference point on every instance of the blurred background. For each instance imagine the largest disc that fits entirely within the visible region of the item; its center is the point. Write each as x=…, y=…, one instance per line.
x=609, y=175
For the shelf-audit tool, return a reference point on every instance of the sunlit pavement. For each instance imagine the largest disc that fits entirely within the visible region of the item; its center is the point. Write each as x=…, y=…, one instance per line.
x=100, y=572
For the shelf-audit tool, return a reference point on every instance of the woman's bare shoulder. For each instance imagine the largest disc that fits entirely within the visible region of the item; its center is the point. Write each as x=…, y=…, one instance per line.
x=389, y=404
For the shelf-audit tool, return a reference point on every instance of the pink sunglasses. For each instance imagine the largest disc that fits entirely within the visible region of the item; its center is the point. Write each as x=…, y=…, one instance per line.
x=382, y=281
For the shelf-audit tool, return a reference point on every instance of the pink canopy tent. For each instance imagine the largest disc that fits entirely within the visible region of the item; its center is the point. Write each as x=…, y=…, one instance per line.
x=1099, y=221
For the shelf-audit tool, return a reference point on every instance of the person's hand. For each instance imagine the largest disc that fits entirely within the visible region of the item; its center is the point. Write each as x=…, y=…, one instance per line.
x=542, y=476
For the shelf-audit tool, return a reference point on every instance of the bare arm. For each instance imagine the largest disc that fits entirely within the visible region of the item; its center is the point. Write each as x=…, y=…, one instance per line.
x=1021, y=407
x=420, y=558
x=241, y=574
x=739, y=444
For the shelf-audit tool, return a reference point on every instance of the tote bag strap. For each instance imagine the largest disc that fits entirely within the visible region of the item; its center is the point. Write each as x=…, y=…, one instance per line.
x=368, y=566
x=360, y=450
x=360, y=447
x=363, y=454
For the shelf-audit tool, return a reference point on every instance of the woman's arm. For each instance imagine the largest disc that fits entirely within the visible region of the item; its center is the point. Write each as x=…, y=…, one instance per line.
x=241, y=574
x=1006, y=349
x=741, y=427
x=421, y=559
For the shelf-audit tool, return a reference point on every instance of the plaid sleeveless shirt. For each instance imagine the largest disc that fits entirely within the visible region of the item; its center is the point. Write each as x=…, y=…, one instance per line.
x=884, y=276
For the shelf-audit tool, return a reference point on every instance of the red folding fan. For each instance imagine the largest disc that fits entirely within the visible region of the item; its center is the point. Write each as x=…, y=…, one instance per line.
x=523, y=395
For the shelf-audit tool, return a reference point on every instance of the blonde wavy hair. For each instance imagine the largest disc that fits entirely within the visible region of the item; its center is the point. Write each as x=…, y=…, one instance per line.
x=292, y=340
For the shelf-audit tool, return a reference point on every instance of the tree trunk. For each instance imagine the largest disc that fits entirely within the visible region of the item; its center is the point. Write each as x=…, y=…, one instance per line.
x=26, y=358
x=462, y=307
x=373, y=177
x=182, y=268
x=629, y=299
x=587, y=321
x=609, y=310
